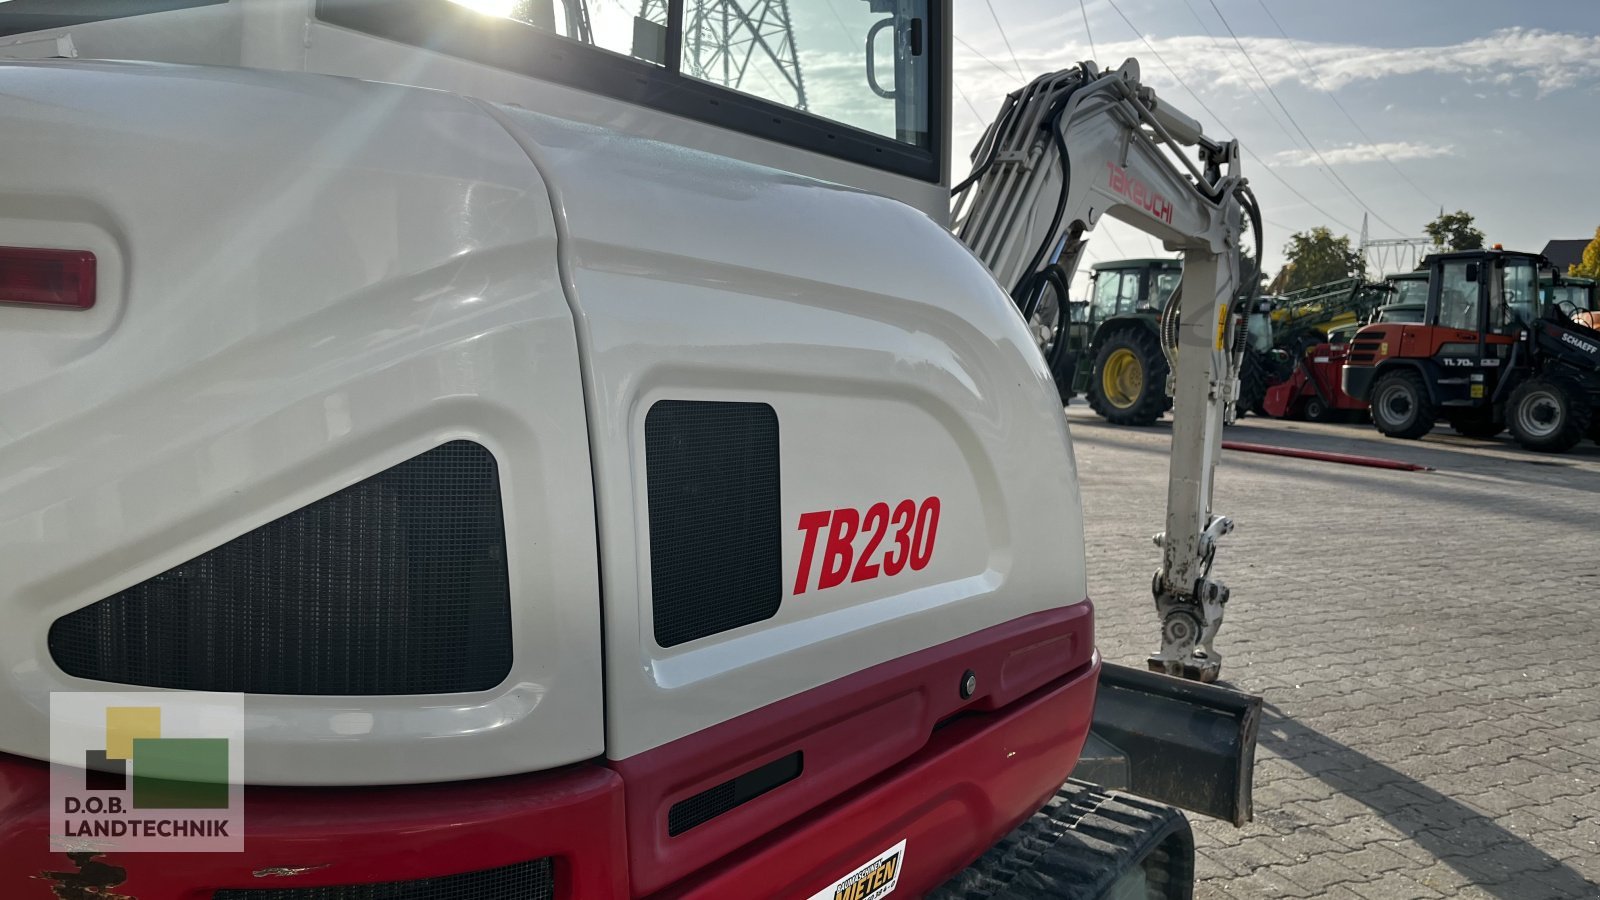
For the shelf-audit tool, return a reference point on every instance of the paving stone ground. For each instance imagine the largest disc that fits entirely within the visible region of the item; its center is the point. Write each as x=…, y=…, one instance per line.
x=1423, y=643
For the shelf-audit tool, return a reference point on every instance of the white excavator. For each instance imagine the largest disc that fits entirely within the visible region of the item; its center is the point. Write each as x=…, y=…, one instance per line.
x=591, y=454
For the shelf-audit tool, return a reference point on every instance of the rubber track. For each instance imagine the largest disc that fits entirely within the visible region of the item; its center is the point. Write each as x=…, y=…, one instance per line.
x=1076, y=847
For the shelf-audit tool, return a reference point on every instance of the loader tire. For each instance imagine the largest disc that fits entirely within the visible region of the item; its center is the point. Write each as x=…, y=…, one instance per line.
x=1129, y=383
x=1085, y=843
x=1549, y=414
x=1401, y=407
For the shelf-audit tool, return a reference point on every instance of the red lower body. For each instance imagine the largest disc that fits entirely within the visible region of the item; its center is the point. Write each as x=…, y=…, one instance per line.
x=975, y=776
x=1318, y=374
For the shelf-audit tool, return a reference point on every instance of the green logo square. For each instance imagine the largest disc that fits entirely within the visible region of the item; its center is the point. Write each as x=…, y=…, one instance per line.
x=180, y=773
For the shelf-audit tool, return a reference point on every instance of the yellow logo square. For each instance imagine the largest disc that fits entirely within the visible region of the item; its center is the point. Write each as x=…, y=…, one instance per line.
x=126, y=723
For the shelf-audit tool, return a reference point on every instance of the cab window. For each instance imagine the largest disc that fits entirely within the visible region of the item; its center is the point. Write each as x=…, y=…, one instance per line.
x=1107, y=284
x=1458, y=297
x=1515, y=295
x=838, y=59
x=852, y=79
x=1575, y=295
x=1116, y=293
x=1411, y=290
x=1166, y=282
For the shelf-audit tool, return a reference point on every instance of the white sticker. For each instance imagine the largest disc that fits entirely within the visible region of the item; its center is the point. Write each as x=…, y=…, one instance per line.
x=875, y=879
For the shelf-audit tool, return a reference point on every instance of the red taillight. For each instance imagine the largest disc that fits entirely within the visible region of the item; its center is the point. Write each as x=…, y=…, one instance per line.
x=56, y=278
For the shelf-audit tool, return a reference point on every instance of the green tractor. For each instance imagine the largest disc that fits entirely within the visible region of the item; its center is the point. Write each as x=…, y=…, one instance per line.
x=1112, y=352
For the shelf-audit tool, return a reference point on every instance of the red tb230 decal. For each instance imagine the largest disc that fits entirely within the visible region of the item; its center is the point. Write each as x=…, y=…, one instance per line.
x=914, y=526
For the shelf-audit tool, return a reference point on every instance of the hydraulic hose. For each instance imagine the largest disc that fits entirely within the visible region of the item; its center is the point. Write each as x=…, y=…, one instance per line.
x=1168, y=326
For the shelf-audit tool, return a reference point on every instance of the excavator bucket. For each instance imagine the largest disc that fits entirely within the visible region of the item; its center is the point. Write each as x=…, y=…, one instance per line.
x=1173, y=741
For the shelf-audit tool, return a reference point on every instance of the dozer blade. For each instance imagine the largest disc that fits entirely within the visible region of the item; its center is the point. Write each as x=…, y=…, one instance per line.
x=1173, y=741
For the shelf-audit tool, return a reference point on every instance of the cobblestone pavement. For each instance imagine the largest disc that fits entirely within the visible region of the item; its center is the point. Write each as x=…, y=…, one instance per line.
x=1421, y=639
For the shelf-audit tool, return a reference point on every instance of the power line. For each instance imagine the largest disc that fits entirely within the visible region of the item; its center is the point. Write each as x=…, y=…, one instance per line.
x=981, y=117
x=1002, y=30
x=1247, y=151
x=848, y=35
x=1243, y=79
x=1255, y=95
x=1090, y=34
x=974, y=51
x=1359, y=130
x=1290, y=116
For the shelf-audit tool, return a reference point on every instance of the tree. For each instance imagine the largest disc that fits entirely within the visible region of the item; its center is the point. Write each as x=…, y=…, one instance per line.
x=1317, y=257
x=1454, y=231
x=1589, y=266
x=1249, y=272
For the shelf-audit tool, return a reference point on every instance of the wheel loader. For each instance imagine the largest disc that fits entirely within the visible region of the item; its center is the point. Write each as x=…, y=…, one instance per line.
x=509, y=450
x=1487, y=356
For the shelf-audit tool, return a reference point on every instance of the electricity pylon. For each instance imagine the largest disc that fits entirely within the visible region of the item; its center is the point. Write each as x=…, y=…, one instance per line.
x=726, y=41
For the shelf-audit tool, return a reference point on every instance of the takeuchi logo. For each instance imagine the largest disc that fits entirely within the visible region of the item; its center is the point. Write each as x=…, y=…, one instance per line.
x=159, y=773
x=1139, y=194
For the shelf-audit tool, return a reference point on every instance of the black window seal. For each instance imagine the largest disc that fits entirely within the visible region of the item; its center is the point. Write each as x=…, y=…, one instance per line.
x=454, y=30
x=27, y=16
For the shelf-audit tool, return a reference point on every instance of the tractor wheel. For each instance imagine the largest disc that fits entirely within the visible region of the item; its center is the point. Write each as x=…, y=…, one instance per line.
x=1252, y=384
x=1482, y=426
x=1401, y=407
x=1315, y=410
x=1548, y=414
x=1129, y=384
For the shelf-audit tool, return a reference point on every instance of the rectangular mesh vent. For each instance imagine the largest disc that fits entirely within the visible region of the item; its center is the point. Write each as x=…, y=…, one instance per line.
x=716, y=551
x=533, y=880
x=395, y=585
x=714, y=801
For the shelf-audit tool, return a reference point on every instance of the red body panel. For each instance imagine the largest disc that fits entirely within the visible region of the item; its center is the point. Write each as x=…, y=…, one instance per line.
x=976, y=780
x=1321, y=367
x=849, y=730
x=351, y=836
x=892, y=752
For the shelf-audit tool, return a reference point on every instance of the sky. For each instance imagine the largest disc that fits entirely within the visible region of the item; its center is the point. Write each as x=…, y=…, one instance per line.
x=1482, y=105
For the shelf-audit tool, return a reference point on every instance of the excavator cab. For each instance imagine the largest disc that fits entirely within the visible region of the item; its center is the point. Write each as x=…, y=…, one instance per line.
x=1492, y=351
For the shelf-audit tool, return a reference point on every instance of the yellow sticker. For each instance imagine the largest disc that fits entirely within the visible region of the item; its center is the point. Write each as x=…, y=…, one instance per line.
x=1222, y=323
x=1383, y=349
x=1477, y=391
x=872, y=881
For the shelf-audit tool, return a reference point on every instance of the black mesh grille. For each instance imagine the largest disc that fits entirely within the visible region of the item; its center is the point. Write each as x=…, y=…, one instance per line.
x=534, y=880
x=716, y=557
x=714, y=801
x=395, y=585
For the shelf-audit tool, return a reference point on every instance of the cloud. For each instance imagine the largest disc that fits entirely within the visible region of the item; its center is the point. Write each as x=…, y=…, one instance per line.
x=1364, y=153
x=1511, y=61
x=1551, y=60
x=1507, y=59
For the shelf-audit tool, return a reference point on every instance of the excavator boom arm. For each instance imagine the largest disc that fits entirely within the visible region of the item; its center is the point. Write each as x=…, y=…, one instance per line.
x=1066, y=150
